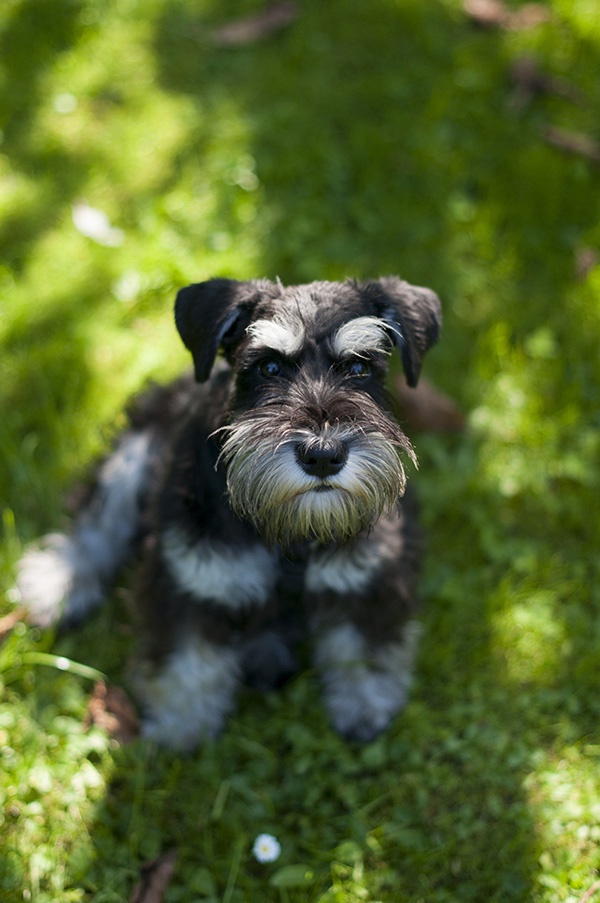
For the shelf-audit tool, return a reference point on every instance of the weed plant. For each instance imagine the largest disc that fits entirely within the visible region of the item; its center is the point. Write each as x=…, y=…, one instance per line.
x=365, y=138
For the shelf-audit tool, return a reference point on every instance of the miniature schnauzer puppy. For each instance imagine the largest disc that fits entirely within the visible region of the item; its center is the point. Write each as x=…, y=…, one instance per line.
x=265, y=500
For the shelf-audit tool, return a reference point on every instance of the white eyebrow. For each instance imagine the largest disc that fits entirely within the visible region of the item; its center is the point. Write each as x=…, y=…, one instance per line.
x=285, y=336
x=359, y=337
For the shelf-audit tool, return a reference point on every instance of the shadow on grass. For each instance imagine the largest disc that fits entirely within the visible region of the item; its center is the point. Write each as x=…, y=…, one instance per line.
x=434, y=809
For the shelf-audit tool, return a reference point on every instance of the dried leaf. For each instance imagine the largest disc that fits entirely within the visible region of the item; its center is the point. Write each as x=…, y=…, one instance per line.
x=573, y=143
x=111, y=710
x=590, y=892
x=155, y=879
x=494, y=14
x=586, y=259
x=254, y=28
x=8, y=622
x=529, y=16
x=425, y=408
x=489, y=13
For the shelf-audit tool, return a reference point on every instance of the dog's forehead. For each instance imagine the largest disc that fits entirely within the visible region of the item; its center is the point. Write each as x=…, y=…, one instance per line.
x=318, y=309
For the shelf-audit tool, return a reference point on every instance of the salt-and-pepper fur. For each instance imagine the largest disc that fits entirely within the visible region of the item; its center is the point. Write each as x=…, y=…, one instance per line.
x=265, y=499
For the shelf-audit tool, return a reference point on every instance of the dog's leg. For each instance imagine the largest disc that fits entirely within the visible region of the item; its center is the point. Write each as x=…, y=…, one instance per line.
x=196, y=598
x=66, y=575
x=268, y=662
x=187, y=697
x=365, y=685
x=365, y=637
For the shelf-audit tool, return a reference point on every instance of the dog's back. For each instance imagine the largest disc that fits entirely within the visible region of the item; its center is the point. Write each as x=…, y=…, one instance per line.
x=65, y=576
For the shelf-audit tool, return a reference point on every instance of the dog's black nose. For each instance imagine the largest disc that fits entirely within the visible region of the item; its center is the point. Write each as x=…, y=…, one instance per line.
x=323, y=458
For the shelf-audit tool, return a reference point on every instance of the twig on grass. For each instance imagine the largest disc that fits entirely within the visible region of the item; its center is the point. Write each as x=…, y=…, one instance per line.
x=573, y=143
x=155, y=879
x=9, y=622
x=590, y=892
x=253, y=28
x=111, y=710
x=494, y=14
x=529, y=79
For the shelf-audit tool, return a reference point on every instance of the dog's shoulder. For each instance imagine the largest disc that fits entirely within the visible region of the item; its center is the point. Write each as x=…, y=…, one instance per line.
x=170, y=407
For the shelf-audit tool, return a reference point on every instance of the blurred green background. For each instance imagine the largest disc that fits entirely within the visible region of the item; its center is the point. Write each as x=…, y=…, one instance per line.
x=390, y=136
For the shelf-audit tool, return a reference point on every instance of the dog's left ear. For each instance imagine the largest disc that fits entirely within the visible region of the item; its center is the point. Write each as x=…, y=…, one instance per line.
x=214, y=314
x=414, y=315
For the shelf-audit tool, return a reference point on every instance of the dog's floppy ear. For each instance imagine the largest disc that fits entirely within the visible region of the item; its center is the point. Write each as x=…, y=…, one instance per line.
x=212, y=314
x=414, y=315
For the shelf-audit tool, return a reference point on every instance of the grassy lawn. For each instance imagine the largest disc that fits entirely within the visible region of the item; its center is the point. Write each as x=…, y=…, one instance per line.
x=362, y=139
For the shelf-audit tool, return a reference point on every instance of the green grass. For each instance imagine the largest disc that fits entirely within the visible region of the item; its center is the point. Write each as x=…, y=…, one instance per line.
x=366, y=138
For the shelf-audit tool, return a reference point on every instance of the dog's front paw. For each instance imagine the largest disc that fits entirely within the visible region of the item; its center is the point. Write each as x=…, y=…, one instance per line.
x=173, y=731
x=187, y=698
x=362, y=704
x=365, y=686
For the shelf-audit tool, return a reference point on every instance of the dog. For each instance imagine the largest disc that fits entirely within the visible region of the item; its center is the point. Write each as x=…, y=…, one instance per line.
x=266, y=496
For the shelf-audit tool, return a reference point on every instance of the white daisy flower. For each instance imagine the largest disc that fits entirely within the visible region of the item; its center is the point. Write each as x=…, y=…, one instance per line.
x=266, y=848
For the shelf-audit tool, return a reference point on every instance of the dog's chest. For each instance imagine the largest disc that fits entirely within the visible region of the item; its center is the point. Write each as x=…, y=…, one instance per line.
x=292, y=573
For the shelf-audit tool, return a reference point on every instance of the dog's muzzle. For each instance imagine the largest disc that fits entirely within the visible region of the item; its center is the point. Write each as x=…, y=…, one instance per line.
x=327, y=486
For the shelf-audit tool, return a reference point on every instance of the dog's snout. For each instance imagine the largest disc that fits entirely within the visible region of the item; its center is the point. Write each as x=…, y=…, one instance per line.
x=322, y=459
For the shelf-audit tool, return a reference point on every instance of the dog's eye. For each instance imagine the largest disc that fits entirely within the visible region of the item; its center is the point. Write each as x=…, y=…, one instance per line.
x=270, y=368
x=358, y=369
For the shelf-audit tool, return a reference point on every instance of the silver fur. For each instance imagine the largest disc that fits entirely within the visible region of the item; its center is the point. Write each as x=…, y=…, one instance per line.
x=189, y=696
x=354, y=567
x=361, y=336
x=364, y=688
x=285, y=336
x=233, y=577
x=267, y=485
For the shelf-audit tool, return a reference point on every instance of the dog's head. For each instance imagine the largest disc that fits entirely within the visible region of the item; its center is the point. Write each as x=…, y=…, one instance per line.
x=311, y=448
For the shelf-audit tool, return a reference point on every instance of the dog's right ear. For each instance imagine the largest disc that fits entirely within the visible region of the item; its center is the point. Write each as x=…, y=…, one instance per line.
x=214, y=314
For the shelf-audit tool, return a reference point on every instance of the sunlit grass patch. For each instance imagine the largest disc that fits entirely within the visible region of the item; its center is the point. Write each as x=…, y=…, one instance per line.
x=563, y=792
